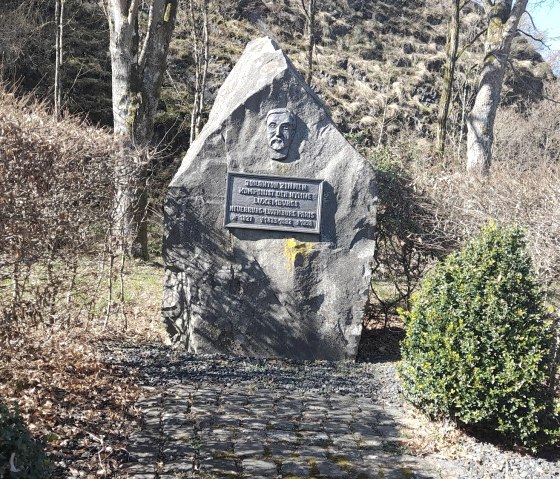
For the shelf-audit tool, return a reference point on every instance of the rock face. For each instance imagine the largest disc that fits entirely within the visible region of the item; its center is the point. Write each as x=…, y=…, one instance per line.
x=269, y=292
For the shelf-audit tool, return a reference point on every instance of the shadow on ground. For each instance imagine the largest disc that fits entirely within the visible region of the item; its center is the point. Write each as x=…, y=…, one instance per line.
x=381, y=340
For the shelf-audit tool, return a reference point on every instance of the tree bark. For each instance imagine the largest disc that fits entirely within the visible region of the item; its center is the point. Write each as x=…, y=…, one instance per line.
x=309, y=12
x=198, y=10
x=59, y=22
x=137, y=74
x=503, y=20
x=448, y=76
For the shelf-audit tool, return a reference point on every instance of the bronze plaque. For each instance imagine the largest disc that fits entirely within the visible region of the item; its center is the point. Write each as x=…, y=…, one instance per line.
x=275, y=203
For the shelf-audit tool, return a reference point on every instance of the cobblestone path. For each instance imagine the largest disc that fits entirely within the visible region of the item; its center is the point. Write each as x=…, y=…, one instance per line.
x=213, y=424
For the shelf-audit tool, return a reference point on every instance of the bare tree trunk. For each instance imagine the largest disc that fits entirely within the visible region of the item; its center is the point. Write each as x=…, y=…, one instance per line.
x=309, y=12
x=109, y=307
x=205, y=60
x=126, y=96
x=463, y=96
x=448, y=76
x=59, y=22
x=503, y=21
x=198, y=12
x=137, y=74
x=311, y=40
x=56, y=58
x=121, y=293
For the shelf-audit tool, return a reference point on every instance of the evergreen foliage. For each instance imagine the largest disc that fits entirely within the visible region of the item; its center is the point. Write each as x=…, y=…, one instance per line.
x=477, y=347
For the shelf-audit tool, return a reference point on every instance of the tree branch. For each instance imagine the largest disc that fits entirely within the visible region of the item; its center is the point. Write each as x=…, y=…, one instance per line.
x=115, y=14
x=122, y=6
x=471, y=43
x=132, y=11
x=160, y=25
x=539, y=40
x=304, y=8
x=516, y=12
x=529, y=86
x=147, y=39
x=531, y=18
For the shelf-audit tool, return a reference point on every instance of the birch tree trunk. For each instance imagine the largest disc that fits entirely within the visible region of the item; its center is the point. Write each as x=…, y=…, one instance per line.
x=503, y=20
x=138, y=65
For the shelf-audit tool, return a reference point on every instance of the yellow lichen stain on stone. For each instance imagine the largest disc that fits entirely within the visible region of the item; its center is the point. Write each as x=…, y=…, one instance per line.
x=280, y=168
x=293, y=248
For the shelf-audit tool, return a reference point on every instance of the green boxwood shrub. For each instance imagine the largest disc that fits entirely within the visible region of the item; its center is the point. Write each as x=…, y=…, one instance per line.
x=28, y=460
x=477, y=345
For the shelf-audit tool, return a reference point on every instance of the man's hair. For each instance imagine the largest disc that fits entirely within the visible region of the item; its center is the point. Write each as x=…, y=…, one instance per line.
x=291, y=116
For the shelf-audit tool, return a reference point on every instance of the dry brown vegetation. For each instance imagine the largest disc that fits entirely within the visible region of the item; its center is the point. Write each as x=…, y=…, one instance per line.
x=56, y=187
x=511, y=194
x=81, y=408
x=522, y=188
x=440, y=207
x=429, y=207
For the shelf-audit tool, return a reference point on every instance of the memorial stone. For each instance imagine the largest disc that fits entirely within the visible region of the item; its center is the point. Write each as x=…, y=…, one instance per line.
x=269, y=223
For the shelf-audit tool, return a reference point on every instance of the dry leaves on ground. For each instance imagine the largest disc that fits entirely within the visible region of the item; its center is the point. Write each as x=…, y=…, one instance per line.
x=82, y=408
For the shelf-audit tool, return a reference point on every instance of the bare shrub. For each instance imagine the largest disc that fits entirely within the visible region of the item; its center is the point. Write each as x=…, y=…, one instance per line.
x=511, y=194
x=22, y=25
x=532, y=136
x=56, y=191
x=427, y=208
x=522, y=187
x=408, y=236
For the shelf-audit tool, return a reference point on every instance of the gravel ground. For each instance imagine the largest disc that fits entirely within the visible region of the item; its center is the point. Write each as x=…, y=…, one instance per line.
x=160, y=368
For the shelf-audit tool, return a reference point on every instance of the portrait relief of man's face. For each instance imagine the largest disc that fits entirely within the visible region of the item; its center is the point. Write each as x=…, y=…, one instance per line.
x=280, y=129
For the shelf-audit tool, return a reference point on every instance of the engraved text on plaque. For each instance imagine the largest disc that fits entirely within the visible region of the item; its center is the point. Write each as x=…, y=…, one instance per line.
x=273, y=203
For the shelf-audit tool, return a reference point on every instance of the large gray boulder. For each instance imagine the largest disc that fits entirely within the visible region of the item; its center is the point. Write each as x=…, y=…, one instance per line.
x=269, y=292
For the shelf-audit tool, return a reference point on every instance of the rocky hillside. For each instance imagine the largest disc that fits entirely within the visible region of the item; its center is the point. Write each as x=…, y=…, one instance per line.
x=378, y=62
